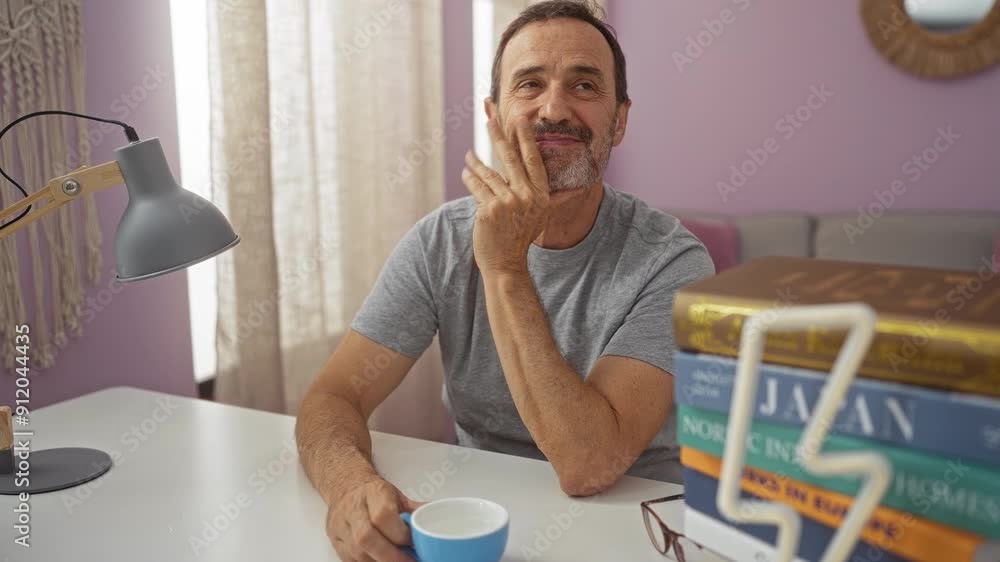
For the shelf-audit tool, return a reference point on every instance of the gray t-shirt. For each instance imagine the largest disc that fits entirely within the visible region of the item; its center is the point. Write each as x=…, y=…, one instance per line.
x=611, y=294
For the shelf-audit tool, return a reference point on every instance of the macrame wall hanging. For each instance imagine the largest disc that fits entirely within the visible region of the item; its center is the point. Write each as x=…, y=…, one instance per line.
x=42, y=67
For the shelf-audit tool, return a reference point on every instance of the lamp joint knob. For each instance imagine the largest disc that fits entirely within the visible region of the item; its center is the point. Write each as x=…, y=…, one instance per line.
x=71, y=186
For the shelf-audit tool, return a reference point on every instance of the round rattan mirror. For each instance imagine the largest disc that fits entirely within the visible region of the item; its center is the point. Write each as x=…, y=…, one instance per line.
x=935, y=38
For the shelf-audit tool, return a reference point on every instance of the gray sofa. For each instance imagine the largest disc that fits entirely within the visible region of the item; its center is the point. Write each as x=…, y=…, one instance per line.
x=951, y=240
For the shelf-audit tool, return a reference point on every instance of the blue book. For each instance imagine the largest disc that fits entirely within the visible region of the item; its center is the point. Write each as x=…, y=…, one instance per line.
x=943, y=423
x=699, y=494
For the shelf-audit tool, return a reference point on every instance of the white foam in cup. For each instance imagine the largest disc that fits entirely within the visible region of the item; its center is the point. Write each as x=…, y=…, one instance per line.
x=459, y=518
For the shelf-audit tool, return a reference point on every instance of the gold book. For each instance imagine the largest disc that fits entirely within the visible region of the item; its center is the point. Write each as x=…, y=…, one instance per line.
x=937, y=328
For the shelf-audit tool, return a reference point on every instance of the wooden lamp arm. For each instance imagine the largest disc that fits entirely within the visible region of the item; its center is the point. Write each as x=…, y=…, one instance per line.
x=60, y=191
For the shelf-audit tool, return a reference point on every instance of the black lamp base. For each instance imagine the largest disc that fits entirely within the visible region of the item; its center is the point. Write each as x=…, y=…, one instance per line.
x=57, y=469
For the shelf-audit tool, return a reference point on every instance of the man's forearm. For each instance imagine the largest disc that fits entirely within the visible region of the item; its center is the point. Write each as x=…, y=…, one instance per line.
x=572, y=423
x=334, y=445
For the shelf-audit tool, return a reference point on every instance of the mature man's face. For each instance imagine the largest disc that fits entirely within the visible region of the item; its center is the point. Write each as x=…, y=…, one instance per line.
x=559, y=74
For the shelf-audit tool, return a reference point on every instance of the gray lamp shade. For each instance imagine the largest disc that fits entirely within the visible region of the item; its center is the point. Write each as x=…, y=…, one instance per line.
x=165, y=228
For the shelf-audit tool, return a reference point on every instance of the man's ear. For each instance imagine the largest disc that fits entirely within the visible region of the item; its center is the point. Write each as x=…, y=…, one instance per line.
x=622, y=114
x=491, y=108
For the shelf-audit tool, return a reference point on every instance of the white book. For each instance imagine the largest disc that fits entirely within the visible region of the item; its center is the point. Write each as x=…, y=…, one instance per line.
x=725, y=540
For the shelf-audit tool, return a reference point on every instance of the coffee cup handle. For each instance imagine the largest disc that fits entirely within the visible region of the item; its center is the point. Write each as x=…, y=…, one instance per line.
x=409, y=550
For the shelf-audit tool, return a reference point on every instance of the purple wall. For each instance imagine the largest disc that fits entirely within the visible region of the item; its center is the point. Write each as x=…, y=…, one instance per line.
x=688, y=126
x=458, y=80
x=140, y=334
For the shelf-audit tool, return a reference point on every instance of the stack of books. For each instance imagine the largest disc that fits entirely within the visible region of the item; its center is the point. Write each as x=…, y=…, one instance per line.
x=927, y=397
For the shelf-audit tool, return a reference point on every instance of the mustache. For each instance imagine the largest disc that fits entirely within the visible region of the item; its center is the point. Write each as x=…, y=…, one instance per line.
x=579, y=132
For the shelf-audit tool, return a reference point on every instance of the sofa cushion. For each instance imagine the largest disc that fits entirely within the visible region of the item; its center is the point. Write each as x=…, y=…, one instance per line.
x=721, y=239
x=950, y=240
x=996, y=254
x=784, y=234
x=775, y=235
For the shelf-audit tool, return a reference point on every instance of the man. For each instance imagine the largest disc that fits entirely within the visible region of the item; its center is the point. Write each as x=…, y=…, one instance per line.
x=551, y=292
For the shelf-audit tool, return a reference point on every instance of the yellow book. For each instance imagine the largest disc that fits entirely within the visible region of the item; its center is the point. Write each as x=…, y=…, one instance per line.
x=935, y=327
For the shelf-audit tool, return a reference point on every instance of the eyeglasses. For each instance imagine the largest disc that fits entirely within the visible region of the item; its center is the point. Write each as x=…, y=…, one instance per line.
x=667, y=541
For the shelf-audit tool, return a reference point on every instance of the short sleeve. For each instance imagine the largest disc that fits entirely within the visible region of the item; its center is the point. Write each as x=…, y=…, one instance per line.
x=400, y=311
x=647, y=333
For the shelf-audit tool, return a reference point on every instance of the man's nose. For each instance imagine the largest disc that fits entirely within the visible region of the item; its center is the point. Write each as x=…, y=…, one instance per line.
x=555, y=106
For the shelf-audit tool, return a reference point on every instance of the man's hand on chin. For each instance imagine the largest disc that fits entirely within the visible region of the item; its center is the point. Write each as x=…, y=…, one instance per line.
x=511, y=214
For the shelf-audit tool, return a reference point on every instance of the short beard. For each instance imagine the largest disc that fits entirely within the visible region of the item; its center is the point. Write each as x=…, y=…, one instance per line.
x=583, y=171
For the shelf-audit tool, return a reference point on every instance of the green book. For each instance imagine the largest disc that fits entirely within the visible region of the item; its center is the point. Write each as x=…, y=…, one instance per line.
x=947, y=490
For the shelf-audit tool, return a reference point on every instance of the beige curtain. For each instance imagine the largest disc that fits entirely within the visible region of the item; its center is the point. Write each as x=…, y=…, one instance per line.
x=327, y=146
x=42, y=67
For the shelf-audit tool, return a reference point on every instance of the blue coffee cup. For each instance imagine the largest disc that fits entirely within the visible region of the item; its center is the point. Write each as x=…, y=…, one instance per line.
x=458, y=530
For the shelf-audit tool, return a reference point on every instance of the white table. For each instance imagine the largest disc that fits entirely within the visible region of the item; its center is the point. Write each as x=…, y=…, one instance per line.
x=175, y=471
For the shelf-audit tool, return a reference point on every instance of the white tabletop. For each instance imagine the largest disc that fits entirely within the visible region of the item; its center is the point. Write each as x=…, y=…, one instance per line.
x=176, y=470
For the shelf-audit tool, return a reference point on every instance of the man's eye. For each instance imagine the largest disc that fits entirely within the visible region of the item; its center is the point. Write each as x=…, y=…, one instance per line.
x=585, y=85
x=529, y=84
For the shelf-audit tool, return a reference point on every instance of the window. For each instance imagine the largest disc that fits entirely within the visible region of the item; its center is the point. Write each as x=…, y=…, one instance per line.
x=190, y=49
x=190, y=43
x=482, y=63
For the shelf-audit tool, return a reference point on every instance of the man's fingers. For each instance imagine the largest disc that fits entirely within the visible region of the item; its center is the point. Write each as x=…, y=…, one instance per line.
x=497, y=184
x=409, y=505
x=362, y=557
x=477, y=187
x=343, y=549
x=531, y=157
x=383, y=510
x=369, y=541
x=509, y=154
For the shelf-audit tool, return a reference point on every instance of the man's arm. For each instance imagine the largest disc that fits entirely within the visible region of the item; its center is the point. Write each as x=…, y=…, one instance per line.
x=590, y=430
x=332, y=426
x=362, y=520
x=395, y=324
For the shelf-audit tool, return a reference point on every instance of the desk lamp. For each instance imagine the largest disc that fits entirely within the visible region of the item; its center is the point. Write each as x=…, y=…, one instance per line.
x=164, y=229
